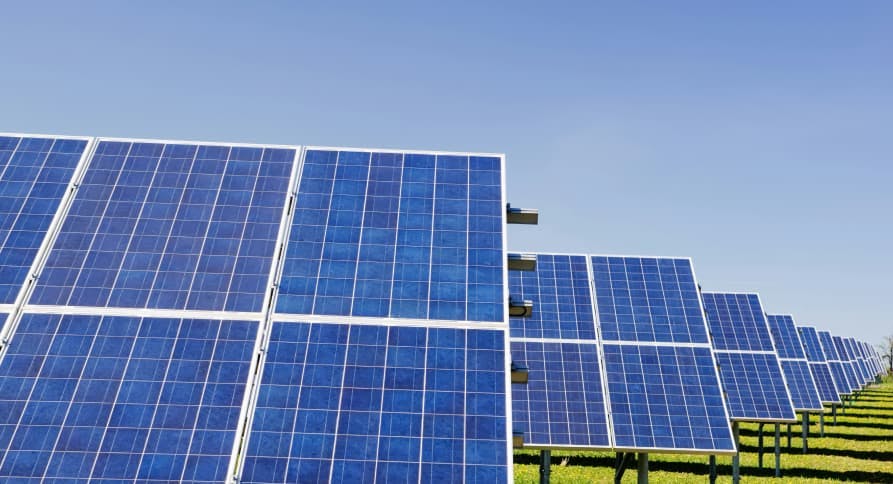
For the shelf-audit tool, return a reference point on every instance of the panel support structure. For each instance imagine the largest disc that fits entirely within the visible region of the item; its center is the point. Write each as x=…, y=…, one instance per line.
x=545, y=466
x=642, y=474
x=736, y=459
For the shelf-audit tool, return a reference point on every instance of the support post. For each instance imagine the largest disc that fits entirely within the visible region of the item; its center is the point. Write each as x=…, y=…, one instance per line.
x=822, y=424
x=805, y=430
x=642, y=475
x=621, y=460
x=712, y=469
x=736, y=459
x=834, y=412
x=789, y=436
x=545, y=466
x=777, y=450
x=760, y=446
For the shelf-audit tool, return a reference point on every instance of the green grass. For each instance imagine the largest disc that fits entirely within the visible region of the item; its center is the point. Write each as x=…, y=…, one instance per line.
x=858, y=449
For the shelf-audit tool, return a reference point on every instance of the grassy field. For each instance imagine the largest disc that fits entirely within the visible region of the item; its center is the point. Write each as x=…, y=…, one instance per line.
x=859, y=448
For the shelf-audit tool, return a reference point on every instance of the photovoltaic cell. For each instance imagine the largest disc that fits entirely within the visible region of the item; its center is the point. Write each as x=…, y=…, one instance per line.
x=666, y=397
x=119, y=398
x=748, y=365
x=803, y=389
x=170, y=226
x=755, y=387
x=35, y=173
x=648, y=300
x=560, y=290
x=818, y=366
x=363, y=403
x=396, y=235
x=562, y=404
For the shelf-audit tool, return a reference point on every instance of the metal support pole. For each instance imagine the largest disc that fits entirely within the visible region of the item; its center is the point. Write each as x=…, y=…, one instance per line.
x=834, y=412
x=642, y=475
x=760, y=446
x=822, y=424
x=805, y=430
x=777, y=450
x=789, y=436
x=736, y=459
x=712, y=469
x=545, y=466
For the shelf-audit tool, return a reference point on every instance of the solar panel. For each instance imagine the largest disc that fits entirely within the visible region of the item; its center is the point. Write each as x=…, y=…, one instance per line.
x=648, y=300
x=838, y=373
x=115, y=398
x=842, y=352
x=663, y=388
x=563, y=404
x=363, y=403
x=35, y=174
x=804, y=393
x=857, y=362
x=388, y=352
x=170, y=226
x=818, y=366
x=399, y=235
x=748, y=365
x=560, y=290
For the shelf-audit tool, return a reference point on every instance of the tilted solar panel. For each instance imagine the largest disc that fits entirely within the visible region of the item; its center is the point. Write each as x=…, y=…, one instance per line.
x=115, y=398
x=560, y=290
x=648, y=300
x=388, y=356
x=170, y=226
x=818, y=366
x=663, y=387
x=363, y=403
x=35, y=174
x=860, y=364
x=563, y=403
x=838, y=373
x=852, y=376
x=748, y=365
x=399, y=235
x=803, y=389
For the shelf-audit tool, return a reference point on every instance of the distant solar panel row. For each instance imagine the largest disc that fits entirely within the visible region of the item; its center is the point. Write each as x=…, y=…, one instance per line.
x=838, y=373
x=802, y=387
x=748, y=365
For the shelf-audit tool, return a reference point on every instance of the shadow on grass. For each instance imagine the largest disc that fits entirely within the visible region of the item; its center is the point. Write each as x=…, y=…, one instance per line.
x=724, y=469
x=796, y=433
x=815, y=451
x=868, y=425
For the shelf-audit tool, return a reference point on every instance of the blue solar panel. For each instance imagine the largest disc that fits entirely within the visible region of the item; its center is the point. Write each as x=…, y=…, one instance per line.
x=116, y=398
x=560, y=290
x=755, y=387
x=803, y=390
x=170, y=226
x=562, y=404
x=363, y=403
x=853, y=379
x=748, y=366
x=665, y=397
x=397, y=235
x=838, y=374
x=860, y=364
x=821, y=371
x=648, y=299
x=35, y=173
x=785, y=336
x=737, y=322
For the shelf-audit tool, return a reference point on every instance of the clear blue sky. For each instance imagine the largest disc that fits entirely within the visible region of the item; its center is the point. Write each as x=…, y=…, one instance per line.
x=755, y=138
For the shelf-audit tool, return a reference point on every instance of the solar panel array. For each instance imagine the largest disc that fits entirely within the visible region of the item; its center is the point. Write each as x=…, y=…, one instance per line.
x=135, y=356
x=848, y=365
x=818, y=366
x=388, y=354
x=838, y=373
x=662, y=384
x=563, y=403
x=801, y=385
x=749, y=367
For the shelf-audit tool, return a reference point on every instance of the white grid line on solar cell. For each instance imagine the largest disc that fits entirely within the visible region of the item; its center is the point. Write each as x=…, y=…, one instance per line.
x=144, y=312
